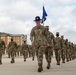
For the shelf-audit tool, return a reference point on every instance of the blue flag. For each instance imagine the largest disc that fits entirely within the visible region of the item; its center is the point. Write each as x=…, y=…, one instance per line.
x=44, y=15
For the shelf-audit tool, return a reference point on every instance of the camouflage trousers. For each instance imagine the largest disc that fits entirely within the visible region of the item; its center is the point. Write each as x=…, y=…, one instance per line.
x=58, y=54
x=63, y=53
x=9, y=54
x=25, y=54
x=33, y=53
x=30, y=53
x=73, y=55
x=70, y=54
x=48, y=54
x=1, y=54
x=67, y=53
x=12, y=53
x=39, y=53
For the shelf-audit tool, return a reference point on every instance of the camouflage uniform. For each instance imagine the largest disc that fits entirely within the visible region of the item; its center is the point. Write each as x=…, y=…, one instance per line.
x=67, y=50
x=25, y=50
x=8, y=52
x=29, y=51
x=38, y=38
x=12, y=46
x=73, y=51
x=63, y=49
x=57, y=48
x=48, y=51
x=32, y=49
x=2, y=47
x=18, y=50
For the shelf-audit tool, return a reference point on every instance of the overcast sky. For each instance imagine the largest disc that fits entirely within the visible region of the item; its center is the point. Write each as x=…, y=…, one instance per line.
x=16, y=16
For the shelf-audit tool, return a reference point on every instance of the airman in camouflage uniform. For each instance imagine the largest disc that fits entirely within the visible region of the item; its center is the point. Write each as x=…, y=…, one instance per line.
x=57, y=48
x=12, y=46
x=25, y=50
x=2, y=47
x=63, y=49
x=48, y=51
x=38, y=38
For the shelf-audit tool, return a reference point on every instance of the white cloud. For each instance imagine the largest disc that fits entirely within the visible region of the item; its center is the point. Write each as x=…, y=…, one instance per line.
x=16, y=16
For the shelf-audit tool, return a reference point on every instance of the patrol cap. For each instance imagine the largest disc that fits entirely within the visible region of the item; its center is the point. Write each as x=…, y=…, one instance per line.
x=37, y=18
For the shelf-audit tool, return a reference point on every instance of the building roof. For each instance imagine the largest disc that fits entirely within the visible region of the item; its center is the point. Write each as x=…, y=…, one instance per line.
x=7, y=34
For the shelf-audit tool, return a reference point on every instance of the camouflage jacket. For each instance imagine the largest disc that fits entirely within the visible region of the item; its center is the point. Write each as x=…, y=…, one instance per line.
x=24, y=46
x=2, y=44
x=12, y=45
x=57, y=43
x=50, y=38
x=63, y=43
x=67, y=45
x=38, y=35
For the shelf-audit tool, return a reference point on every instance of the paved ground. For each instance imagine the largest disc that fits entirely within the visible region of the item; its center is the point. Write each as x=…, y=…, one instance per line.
x=30, y=67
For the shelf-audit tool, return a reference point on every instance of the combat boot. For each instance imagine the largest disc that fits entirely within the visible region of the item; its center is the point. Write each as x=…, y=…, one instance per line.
x=58, y=62
x=12, y=61
x=33, y=59
x=0, y=62
x=67, y=60
x=48, y=66
x=63, y=61
x=70, y=59
x=40, y=67
x=24, y=60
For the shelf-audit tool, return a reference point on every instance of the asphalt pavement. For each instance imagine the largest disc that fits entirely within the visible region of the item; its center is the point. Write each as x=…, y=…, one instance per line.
x=30, y=67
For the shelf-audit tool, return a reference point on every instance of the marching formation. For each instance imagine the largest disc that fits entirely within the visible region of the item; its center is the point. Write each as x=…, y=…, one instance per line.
x=43, y=43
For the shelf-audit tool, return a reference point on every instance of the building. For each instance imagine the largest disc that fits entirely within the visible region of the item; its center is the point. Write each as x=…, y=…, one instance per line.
x=18, y=38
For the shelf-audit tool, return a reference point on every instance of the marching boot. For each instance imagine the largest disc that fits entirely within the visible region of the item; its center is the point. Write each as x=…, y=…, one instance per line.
x=12, y=61
x=0, y=62
x=48, y=66
x=67, y=60
x=70, y=59
x=24, y=60
x=63, y=61
x=40, y=67
x=58, y=62
x=33, y=59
